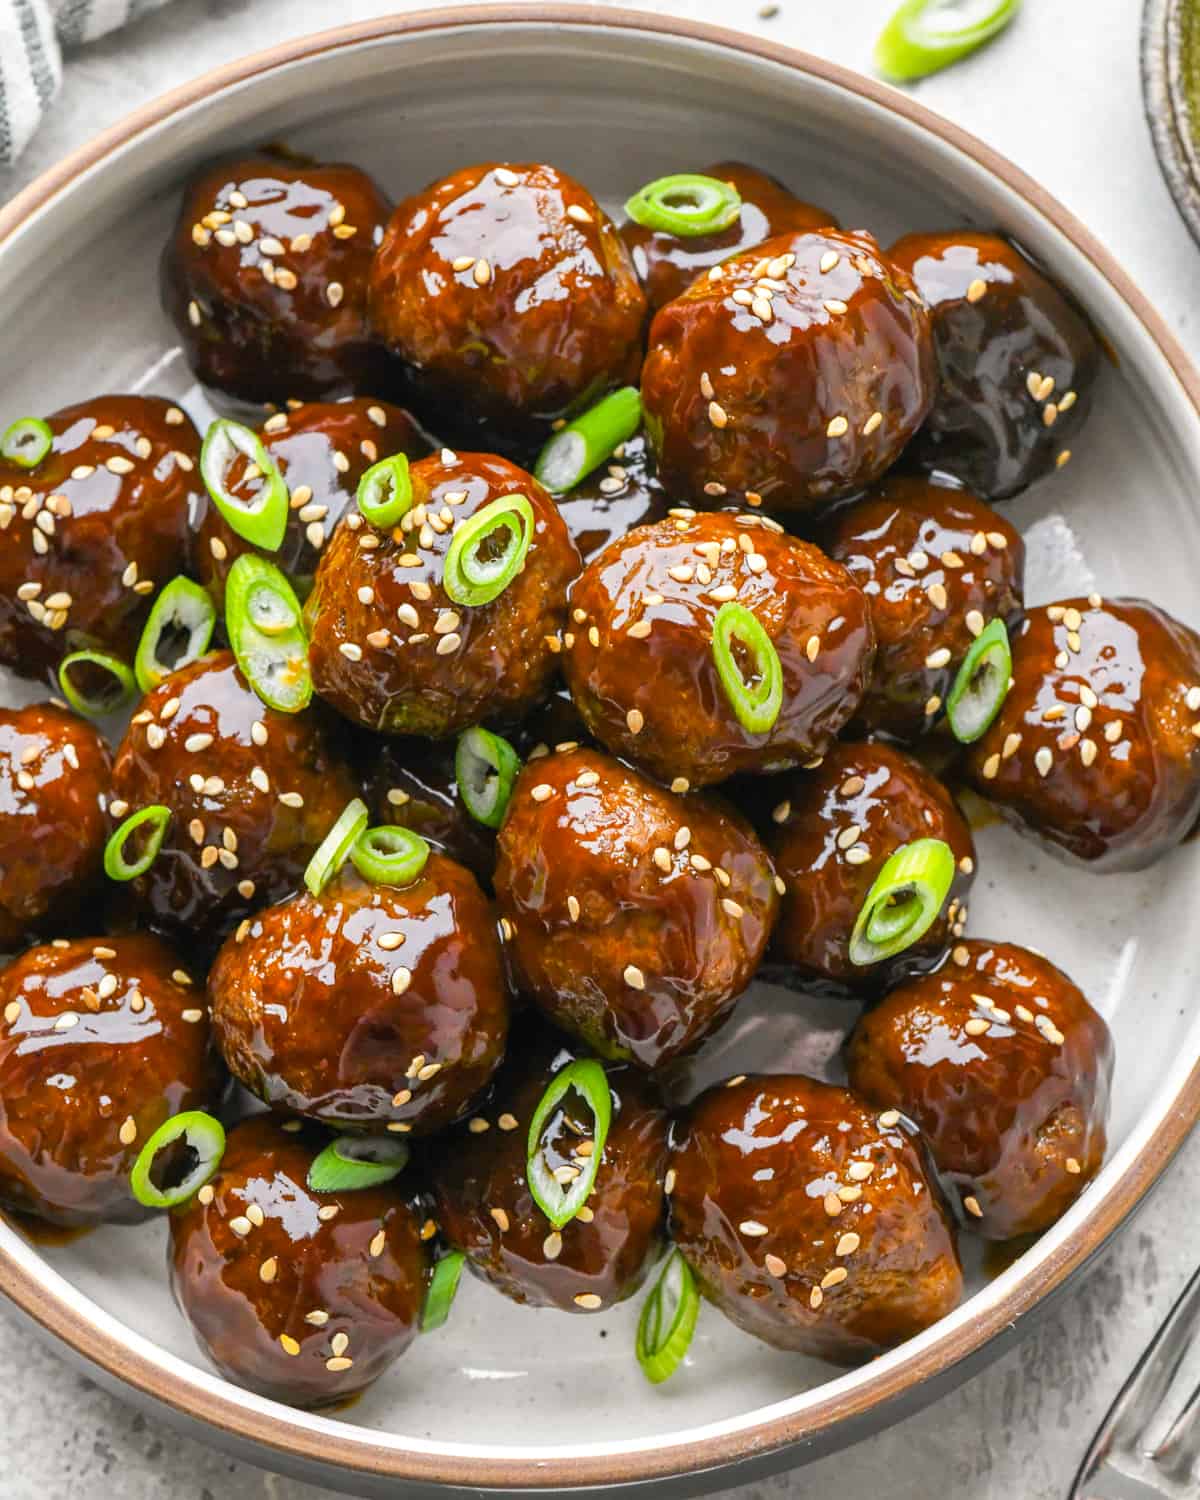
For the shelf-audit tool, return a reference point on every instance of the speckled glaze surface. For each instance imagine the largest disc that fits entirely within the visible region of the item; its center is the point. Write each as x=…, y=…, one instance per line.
x=1176, y=141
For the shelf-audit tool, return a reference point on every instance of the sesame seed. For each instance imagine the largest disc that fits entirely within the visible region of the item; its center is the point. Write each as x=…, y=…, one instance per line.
x=552, y=1245
x=478, y=1125
x=874, y=421
x=634, y=977
x=834, y=1277
x=859, y=1171
x=339, y=1363
x=976, y=290
x=813, y=647
x=329, y=1211
x=1072, y=1166
x=815, y=1298
x=938, y=658
x=318, y=1317
x=753, y=1228
x=847, y=1245
x=588, y=1300
x=401, y=979
x=351, y=651
x=240, y=1225
x=971, y=1204
x=974, y=622
x=483, y=272
x=377, y=1245
x=500, y=1218
x=1043, y=760
x=289, y=1344
x=717, y=414
x=837, y=427
x=829, y=260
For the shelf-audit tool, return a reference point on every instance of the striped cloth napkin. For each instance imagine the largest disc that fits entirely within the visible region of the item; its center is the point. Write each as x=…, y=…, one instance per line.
x=32, y=36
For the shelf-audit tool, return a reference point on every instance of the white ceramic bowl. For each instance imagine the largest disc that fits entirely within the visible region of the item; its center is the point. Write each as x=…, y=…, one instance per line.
x=503, y=1398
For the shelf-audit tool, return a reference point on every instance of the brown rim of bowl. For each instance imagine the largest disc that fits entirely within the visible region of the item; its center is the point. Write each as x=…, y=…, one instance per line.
x=287, y=1433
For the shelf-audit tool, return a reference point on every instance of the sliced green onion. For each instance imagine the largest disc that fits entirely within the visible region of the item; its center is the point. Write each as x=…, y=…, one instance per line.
x=334, y=849
x=266, y=630
x=748, y=666
x=357, y=1161
x=560, y=1204
x=485, y=768
x=191, y=1146
x=686, y=204
x=982, y=684
x=668, y=1320
x=26, y=442
x=443, y=1289
x=385, y=491
x=116, y=866
x=924, y=36
x=184, y=609
x=589, y=441
x=487, y=550
x=903, y=901
x=119, y=689
x=389, y=855
x=261, y=520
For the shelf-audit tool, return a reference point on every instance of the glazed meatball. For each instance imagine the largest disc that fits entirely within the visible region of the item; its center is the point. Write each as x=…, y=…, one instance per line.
x=809, y=1220
x=509, y=292
x=413, y=783
x=833, y=830
x=392, y=651
x=265, y=277
x=667, y=264
x=641, y=662
x=54, y=774
x=936, y=565
x=95, y=529
x=794, y=377
x=1095, y=749
x=485, y=1206
x=322, y=449
x=634, y=917
x=304, y=1297
x=1016, y=362
x=614, y=499
x=102, y=1041
x=369, y=1006
x=1005, y=1067
x=251, y=792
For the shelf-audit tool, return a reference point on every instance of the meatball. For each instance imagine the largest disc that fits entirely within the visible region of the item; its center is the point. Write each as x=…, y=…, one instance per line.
x=795, y=376
x=614, y=499
x=265, y=277
x=102, y=1041
x=369, y=1006
x=1005, y=1067
x=640, y=656
x=667, y=264
x=1016, y=362
x=322, y=449
x=251, y=792
x=304, y=1297
x=94, y=529
x=1095, y=749
x=54, y=774
x=809, y=1220
x=485, y=1206
x=936, y=565
x=413, y=783
x=634, y=917
x=834, y=830
x=392, y=651
x=510, y=293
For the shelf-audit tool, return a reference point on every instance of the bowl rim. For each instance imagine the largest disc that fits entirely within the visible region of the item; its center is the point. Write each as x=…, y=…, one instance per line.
x=290, y=1435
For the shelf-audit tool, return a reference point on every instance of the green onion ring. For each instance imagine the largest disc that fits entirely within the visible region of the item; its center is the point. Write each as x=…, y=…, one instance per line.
x=756, y=703
x=686, y=204
x=262, y=520
x=470, y=579
x=26, y=442
x=903, y=902
x=981, y=685
x=668, y=1320
x=334, y=849
x=389, y=855
x=202, y=1135
x=116, y=866
x=587, y=1077
x=385, y=491
x=352, y=1162
x=485, y=769
x=443, y=1288
x=924, y=36
x=264, y=623
x=123, y=691
x=589, y=441
x=181, y=606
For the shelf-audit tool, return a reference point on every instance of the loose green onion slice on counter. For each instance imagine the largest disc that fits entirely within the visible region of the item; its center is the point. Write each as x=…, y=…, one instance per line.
x=487, y=550
x=154, y=819
x=389, y=854
x=589, y=441
x=262, y=519
x=560, y=1203
x=26, y=442
x=668, y=1320
x=266, y=630
x=443, y=1289
x=924, y=36
x=981, y=685
x=176, y=634
x=334, y=849
x=113, y=687
x=485, y=768
x=178, y=1159
x=748, y=666
x=903, y=901
x=357, y=1161
x=686, y=204
x=385, y=491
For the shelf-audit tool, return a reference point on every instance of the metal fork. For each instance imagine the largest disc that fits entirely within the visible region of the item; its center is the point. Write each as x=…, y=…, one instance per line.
x=1121, y=1464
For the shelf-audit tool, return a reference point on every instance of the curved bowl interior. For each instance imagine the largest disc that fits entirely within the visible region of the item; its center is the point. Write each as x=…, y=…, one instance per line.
x=504, y=1396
